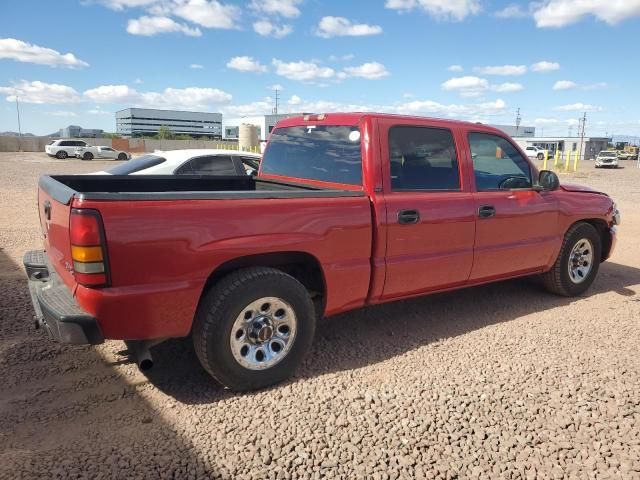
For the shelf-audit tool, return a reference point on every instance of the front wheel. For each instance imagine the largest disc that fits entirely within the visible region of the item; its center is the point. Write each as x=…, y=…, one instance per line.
x=122, y=156
x=541, y=156
x=87, y=156
x=578, y=262
x=61, y=155
x=253, y=328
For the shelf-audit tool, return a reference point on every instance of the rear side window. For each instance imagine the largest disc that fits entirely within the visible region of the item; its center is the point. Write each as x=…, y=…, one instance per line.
x=140, y=163
x=65, y=144
x=213, y=165
x=328, y=153
x=497, y=164
x=423, y=158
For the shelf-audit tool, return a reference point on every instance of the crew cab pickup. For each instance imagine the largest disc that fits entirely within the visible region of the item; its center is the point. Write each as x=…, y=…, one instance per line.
x=347, y=210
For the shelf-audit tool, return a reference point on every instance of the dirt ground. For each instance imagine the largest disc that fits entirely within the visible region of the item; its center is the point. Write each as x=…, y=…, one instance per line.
x=500, y=381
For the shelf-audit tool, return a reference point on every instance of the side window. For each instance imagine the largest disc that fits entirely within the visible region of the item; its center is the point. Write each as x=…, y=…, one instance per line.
x=217, y=165
x=423, y=158
x=497, y=164
x=65, y=144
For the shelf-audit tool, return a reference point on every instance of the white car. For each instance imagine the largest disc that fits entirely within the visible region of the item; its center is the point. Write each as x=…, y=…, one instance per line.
x=63, y=148
x=190, y=162
x=534, y=152
x=607, y=158
x=90, y=152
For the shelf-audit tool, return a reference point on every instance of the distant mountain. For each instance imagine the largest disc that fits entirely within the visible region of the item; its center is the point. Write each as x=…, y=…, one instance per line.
x=15, y=134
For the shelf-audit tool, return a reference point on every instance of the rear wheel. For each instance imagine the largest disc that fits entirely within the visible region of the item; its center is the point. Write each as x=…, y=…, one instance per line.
x=253, y=328
x=87, y=156
x=61, y=154
x=578, y=262
x=541, y=156
x=122, y=156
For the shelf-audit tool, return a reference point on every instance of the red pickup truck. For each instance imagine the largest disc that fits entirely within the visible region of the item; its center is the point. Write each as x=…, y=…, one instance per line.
x=347, y=210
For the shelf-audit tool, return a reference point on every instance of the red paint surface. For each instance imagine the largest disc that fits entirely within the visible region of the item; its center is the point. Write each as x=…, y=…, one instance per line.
x=162, y=252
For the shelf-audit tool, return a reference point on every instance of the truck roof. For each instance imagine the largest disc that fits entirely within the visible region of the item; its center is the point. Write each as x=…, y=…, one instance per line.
x=353, y=118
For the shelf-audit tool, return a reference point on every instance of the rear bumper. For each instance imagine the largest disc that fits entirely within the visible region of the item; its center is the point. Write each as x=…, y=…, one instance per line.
x=56, y=311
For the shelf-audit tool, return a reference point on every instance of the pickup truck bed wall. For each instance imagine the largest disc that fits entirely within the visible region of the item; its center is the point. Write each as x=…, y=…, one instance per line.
x=158, y=270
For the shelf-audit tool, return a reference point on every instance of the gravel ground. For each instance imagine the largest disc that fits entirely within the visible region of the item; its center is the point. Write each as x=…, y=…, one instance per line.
x=500, y=381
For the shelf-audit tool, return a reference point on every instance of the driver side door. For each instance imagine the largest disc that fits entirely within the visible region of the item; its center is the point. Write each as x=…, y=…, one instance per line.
x=516, y=226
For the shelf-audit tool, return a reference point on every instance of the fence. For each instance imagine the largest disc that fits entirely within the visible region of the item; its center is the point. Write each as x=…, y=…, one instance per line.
x=561, y=161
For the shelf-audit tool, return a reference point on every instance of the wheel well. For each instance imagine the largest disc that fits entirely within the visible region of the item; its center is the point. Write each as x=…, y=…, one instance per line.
x=603, y=230
x=300, y=265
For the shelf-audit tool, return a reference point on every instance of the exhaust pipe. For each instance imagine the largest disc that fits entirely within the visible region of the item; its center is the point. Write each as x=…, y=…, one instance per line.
x=139, y=351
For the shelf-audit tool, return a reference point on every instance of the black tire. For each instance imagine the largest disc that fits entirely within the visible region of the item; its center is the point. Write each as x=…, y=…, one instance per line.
x=218, y=311
x=541, y=156
x=61, y=154
x=557, y=280
x=87, y=156
x=122, y=156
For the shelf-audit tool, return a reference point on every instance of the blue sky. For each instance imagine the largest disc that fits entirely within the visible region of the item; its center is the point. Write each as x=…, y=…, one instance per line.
x=77, y=62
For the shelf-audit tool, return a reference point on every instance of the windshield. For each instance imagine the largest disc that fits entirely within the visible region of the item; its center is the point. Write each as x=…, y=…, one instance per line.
x=140, y=163
x=608, y=154
x=328, y=153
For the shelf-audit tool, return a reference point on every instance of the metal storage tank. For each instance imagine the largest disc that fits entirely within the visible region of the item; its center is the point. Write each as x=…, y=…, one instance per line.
x=249, y=138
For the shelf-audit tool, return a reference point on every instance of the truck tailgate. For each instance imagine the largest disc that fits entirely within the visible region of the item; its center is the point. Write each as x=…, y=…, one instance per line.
x=54, y=222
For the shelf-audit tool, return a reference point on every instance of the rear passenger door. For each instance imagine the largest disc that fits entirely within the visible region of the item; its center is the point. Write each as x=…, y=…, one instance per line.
x=517, y=229
x=430, y=210
x=209, y=165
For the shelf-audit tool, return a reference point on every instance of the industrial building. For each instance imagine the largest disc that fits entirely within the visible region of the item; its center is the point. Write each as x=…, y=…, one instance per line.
x=76, y=131
x=591, y=146
x=265, y=124
x=140, y=122
x=517, y=131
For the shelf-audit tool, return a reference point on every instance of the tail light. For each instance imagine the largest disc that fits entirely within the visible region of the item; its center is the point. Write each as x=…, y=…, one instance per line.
x=88, y=248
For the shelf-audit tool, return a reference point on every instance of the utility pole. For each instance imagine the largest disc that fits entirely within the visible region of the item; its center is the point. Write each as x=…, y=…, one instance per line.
x=275, y=108
x=518, y=120
x=19, y=126
x=583, y=124
x=570, y=130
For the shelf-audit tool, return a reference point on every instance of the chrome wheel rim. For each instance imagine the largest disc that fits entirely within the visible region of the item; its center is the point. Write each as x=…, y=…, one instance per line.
x=263, y=333
x=580, y=260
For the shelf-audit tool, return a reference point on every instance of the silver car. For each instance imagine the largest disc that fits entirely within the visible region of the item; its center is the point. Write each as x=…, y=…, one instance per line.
x=90, y=152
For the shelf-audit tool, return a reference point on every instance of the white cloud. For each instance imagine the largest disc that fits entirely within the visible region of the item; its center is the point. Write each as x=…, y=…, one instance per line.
x=472, y=111
x=512, y=10
x=439, y=9
x=149, y=26
x=370, y=71
x=468, y=86
x=510, y=70
x=344, y=58
x=559, y=13
x=207, y=13
x=564, y=85
x=276, y=86
x=294, y=100
x=62, y=113
x=303, y=71
x=98, y=111
x=196, y=66
x=578, y=107
x=12, y=49
x=268, y=29
x=283, y=8
x=181, y=98
x=507, y=87
x=259, y=107
x=122, y=4
x=246, y=64
x=40, y=92
x=545, y=66
x=343, y=27
x=455, y=68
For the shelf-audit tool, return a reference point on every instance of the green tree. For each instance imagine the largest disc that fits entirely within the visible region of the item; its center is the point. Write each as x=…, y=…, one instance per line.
x=164, y=133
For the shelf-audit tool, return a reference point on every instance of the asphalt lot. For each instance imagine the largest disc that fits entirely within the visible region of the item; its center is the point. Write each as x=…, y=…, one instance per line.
x=500, y=381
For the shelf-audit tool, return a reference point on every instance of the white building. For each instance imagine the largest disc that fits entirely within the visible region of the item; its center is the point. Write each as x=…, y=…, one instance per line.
x=591, y=146
x=264, y=122
x=514, y=131
x=138, y=122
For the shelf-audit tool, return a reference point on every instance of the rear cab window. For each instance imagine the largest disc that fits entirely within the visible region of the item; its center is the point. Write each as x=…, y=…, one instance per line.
x=137, y=164
x=326, y=153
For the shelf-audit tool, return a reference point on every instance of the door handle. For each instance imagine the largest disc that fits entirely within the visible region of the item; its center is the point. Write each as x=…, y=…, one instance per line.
x=487, y=211
x=408, y=217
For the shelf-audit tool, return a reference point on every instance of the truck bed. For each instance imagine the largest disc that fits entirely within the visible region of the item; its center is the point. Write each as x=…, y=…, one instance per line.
x=63, y=188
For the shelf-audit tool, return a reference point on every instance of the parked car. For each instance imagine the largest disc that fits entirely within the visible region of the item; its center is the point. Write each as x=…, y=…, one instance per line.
x=534, y=152
x=348, y=210
x=191, y=162
x=622, y=155
x=90, y=152
x=63, y=148
x=607, y=158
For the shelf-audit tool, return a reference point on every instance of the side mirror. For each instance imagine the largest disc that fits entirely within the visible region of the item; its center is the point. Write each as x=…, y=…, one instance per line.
x=548, y=180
